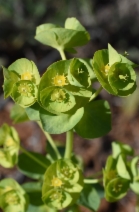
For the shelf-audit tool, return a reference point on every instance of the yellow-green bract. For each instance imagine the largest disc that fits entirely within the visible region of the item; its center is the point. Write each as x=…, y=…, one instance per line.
x=115, y=72
x=74, y=34
x=21, y=81
x=12, y=196
x=10, y=146
x=63, y=182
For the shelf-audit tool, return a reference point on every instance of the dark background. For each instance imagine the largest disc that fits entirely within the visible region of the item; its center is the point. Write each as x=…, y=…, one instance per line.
x=108, y=21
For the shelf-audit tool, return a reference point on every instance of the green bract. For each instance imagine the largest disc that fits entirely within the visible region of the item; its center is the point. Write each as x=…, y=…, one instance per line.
x=63, y=182
x=10, y=146
x=21, y=81
x=114, y=72
x=63, y=92
x=12, y=197
x=74, y=34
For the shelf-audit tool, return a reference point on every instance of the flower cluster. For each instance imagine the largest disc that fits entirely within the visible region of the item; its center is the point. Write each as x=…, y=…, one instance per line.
x=21, y=81
x=65, y=86
x=9, y=141
x=115, y=72
x=12, y=196
x=119, y=173
x=63, y=182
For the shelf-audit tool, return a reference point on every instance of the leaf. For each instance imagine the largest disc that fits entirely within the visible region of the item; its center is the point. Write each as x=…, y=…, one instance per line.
x=34, y=191
x=134, y=166
x=56, y=124
x=96, y=120
x=18, y=114
x=89, y=198
x=66, y=38
x=100, y=61
x=122, y=79
x=30, y=167
x=114, y=57
x=73, y=23
x=119, y=148
x=121, y=169
x=33, y=112
x=125, y=60
x=42, y=208
x=135, y=187
x=88, y=63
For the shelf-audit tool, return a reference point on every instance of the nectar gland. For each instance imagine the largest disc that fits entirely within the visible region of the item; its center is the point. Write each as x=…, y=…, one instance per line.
x=26, y=76
x=59, y=80
x=56, y=182
x=107, y=68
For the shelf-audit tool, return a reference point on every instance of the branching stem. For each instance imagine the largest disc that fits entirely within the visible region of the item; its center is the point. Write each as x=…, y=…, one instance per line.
x=96, y=94
x=33, y=157
x=92, y=181
x=51, y=141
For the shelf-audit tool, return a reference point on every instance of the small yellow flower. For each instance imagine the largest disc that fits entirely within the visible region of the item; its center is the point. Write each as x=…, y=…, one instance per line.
x=59, y=80
x=26, y=76
x=107, y=68
x=56, y=182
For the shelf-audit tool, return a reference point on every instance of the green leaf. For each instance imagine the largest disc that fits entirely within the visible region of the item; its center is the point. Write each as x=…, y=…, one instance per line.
x=24, y=93
x=116, y=189
x=30, y=167
x=9, y=79
x=23, y=67
x=122, y=79
x=122, y=169
x=18, y=114
x=89, y=198
x=134, y=166
x=62, y=38
x=114, y=57
x=42, y=208
x=57, y=100
x=119, y=148
x=127, y=61
x=56, y=124
x=96, y=120
x=100, y=63
x=34, y=191
x=135, y=187
x=73, y=23
x=33, y=112
x=88, y=64
x=78, y=74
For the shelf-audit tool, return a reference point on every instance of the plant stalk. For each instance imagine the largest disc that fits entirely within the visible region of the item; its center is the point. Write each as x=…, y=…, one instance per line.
x=51, y=141
x=33, y=158
x=96, y=94
x=62, y=53
x=92, y=181
x=69, y=144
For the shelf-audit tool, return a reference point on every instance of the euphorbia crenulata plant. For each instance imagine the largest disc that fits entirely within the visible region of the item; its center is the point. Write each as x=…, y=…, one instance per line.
x=63, y=100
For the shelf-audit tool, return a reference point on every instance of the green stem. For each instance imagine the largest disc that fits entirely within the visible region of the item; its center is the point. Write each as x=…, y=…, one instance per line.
x=69, y=144
x=51, y=141
x=33, y=157
x=96, y=94
x=62, y=53
x=92, y=181
x=137, y=203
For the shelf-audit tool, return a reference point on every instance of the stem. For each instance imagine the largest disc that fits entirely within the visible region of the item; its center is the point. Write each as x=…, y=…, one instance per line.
x=62, y=53
x=69, y=144
x=33, y=157
x=96, y=94
x=92, y=181
x=137, y=203
x=51, y=141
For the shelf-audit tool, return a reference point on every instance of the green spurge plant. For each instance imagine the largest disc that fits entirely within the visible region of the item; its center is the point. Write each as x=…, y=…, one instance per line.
x=63, y=100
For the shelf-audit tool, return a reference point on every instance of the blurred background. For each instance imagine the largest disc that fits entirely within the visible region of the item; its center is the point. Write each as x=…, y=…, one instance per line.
x=108, y=21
